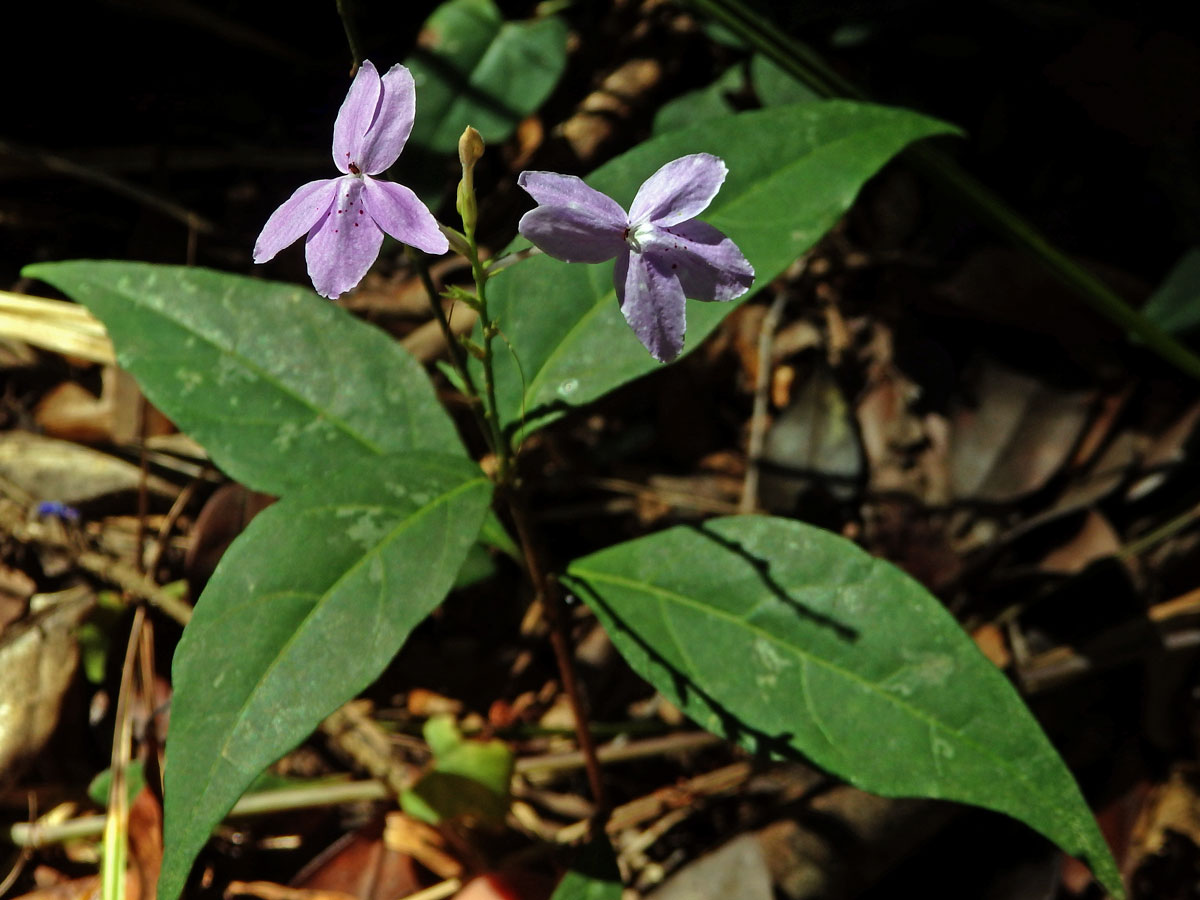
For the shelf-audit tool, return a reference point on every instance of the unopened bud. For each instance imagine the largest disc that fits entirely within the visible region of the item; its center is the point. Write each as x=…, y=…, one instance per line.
x=470, y=148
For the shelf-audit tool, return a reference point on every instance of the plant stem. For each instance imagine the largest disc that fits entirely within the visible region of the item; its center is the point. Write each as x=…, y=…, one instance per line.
x=806, y=66
x=546, y=590
x=351, y=36
x=491, y=409
x=457, y=357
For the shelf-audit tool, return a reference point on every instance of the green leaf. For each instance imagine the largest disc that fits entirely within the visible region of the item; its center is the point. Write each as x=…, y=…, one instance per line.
x=593, y=876
x=470, y=778
x=473, y=68
x=135, y=779
x=1175, y=306
x=699, y=106
x=775, y=87
x=784, y=636
x=279, y=385
x=305, y=609
x=793, y=171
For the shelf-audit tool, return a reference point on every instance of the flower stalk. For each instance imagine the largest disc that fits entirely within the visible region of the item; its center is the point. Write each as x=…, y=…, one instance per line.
x=545, y=588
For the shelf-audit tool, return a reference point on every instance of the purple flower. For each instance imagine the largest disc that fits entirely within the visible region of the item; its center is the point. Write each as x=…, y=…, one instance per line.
x=663, y=253
x=345, y=218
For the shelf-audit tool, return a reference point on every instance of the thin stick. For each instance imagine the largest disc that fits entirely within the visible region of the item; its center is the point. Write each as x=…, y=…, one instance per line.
x=437, y=891
x=658, y=746
x=111, y=183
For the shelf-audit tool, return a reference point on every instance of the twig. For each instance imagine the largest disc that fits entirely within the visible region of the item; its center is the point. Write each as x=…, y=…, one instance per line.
x=107, y=568
x=33, y=834
x=664, y=799
x=360, y=738
x=614, y=753
x=437, y=891
x=111, y=183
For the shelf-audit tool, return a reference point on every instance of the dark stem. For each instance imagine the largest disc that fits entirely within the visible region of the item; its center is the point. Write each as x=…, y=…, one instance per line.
x=351, y=36
x=546, y=590
x=457, y=356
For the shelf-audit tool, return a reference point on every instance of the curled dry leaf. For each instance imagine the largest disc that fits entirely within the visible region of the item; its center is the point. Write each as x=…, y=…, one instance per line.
x=38, y=656
x=1015, y=436
x=50, y=469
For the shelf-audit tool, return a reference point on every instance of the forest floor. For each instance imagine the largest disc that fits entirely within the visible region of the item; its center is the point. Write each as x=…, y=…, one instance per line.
x=914, y=382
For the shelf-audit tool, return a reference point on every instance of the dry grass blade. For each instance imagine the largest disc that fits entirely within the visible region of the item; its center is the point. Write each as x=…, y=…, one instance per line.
x=55, y=325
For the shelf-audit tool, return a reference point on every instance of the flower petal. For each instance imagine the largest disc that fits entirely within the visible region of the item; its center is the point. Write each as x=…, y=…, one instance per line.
x=342, y=246
x=680, y=190
x=295, y=217
x=397, y=211
x=708, y=264
x=569, y=191
x=572, y=235
x=652, y=303
x=356, y=115
x=392, y=124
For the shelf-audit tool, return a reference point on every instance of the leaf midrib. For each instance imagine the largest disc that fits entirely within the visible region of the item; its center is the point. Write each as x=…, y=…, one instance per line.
x=391, y=536
x=663, y=594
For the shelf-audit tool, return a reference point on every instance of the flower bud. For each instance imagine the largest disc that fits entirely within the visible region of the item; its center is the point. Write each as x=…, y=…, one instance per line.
x=470, y=148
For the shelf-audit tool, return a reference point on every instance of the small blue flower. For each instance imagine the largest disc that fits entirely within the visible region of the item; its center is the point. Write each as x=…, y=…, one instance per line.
x=56, y=509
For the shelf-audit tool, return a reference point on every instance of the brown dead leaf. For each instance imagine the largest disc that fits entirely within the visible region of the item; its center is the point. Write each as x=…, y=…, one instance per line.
x=990, y=639
x=226, y=514
x=424, y=703
x=1171, y=807
x=510, y=884
x=269, y=890
x=360, y=865
x=528, y=138
x=1095, y=540
x=15, y=590
x=86, y=888
x=424, y=843
x=603, y=111
x=145, y=842
x=1015, y=436
x=72, y=412
x=1168, y=449
x=38, y=656
x=49, y=469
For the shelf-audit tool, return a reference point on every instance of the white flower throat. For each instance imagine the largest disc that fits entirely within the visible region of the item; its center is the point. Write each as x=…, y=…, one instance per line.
x=638, y=235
